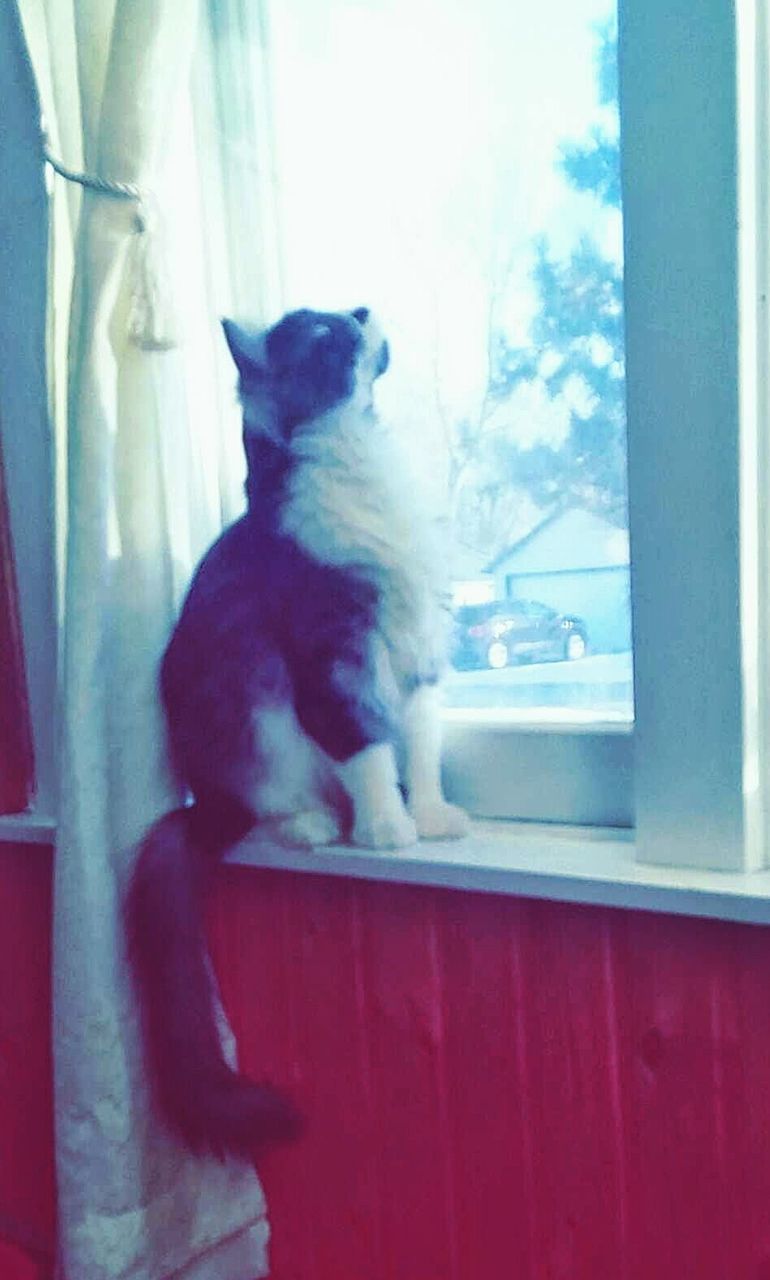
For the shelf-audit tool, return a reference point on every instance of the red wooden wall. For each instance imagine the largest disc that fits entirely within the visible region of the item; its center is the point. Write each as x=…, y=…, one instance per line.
x=26, y=1123
x=501, y=1089
x=497, y=1089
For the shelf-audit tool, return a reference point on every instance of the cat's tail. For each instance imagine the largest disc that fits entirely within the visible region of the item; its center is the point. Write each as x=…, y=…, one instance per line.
x=208, y=1104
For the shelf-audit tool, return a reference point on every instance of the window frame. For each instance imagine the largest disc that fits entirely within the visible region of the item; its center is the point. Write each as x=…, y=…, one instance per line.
x=16, y=760
x=692, y=86
x=693, y=105
x=24, y=416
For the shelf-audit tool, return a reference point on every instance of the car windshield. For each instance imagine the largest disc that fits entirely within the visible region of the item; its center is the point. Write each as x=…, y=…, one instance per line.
x=469, y=614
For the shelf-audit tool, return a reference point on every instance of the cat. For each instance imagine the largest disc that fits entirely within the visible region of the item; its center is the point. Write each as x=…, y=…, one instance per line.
x=304, y=663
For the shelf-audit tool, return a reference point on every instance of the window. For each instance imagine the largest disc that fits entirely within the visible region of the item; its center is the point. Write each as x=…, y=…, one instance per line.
x=439, y=161
x=362, y=90
x=399, y=139
x=473, y=200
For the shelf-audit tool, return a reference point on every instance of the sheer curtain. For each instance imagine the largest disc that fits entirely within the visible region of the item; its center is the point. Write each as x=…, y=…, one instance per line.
x=148, y=469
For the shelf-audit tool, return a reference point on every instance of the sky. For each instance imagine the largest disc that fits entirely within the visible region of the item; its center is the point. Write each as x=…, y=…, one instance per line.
x=415, y=149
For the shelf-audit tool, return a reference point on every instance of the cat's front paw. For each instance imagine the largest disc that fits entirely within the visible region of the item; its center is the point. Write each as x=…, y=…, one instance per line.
x=385, y=831
x=439, y=820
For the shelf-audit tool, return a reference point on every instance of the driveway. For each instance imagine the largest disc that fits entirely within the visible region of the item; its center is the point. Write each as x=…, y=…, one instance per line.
x=601, y=683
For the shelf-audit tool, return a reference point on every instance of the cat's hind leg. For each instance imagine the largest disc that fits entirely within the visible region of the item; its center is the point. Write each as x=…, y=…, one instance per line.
x=381, y=820
x=290, y=787
x=304, y=830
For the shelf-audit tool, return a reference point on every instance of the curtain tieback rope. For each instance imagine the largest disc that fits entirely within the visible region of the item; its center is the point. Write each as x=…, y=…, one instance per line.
x=151, y=321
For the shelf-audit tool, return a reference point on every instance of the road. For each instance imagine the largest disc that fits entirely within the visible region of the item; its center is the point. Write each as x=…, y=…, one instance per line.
x=601, y=683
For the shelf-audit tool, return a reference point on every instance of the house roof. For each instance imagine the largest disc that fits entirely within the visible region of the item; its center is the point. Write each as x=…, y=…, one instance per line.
x=566, y=540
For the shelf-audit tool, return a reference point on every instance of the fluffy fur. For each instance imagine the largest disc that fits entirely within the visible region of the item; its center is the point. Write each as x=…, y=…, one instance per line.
x=305, y=658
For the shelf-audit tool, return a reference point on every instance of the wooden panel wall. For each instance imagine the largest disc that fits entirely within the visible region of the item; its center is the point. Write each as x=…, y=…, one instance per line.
x=501, y=1089
x=26, y=1119
x=496, y=1089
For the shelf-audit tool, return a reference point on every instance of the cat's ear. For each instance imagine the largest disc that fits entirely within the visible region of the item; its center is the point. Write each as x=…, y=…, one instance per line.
x=246, y=347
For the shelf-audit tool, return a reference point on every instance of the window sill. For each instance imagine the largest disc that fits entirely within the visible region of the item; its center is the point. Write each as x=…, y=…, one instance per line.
x=27, y=828
x=568, y=864
x=526, y=859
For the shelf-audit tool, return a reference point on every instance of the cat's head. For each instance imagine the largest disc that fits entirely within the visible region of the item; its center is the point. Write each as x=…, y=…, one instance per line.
x=305, y=365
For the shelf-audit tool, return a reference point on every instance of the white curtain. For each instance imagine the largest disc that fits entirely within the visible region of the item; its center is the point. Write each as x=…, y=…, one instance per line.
x=145, y=447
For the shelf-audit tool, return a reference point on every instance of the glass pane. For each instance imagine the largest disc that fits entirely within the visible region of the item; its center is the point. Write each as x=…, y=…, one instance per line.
x=456, y=167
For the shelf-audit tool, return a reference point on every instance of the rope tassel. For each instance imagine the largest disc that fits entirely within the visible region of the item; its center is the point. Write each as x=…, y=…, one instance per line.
x=151, y=319
x=152, y=322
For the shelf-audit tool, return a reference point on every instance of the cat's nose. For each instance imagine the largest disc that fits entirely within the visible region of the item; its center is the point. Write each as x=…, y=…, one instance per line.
x=361, y=314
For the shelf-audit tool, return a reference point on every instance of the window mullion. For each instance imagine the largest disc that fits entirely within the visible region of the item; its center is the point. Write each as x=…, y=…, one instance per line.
x=680, y=193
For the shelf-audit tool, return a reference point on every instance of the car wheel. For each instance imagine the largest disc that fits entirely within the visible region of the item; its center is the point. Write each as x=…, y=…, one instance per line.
x=497, y=655
x=575, y=646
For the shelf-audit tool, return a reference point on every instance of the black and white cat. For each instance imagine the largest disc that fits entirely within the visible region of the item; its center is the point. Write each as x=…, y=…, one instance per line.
x=301, y=674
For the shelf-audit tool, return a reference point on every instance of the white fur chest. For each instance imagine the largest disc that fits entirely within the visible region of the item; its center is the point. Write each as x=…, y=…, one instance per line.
x=352, y=502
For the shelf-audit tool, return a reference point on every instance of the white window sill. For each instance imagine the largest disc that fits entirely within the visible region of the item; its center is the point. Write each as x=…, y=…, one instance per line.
x=27, y=828
x=568, y=864
x=530, y=860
